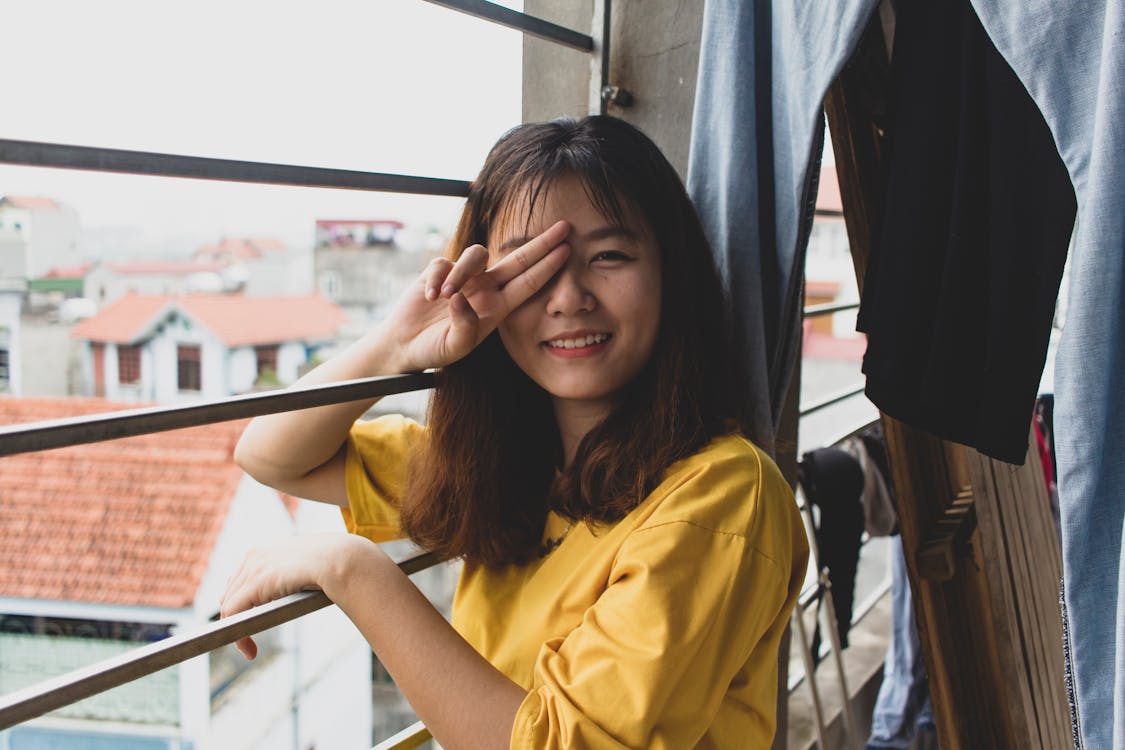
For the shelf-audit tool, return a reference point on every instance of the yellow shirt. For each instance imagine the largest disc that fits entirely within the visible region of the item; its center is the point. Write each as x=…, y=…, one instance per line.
x=660, y=631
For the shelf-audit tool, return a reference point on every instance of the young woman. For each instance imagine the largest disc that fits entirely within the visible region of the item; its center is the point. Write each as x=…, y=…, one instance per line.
x=630, y=560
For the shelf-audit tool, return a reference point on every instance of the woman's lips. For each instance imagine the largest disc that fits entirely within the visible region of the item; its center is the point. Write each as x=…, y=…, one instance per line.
x=569, y=346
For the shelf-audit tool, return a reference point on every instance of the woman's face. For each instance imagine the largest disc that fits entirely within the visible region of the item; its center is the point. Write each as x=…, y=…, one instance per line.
x=593, y=327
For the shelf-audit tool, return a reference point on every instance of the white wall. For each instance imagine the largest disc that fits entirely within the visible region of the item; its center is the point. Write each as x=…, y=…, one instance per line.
x=242, y=369
x=290, y=357
x=324, y=670
x=11, y=296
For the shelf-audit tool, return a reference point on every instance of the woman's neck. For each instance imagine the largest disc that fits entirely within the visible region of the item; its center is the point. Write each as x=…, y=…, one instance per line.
x=575, y=419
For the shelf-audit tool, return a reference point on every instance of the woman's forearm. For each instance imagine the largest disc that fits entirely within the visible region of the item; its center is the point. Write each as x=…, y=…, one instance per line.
x=277, y=449
x=463, y=700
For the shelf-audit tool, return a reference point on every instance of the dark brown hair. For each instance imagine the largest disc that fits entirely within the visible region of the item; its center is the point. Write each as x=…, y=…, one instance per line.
x=481, y=485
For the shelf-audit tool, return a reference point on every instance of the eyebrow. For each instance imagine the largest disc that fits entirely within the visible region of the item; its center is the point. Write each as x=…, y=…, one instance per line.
x=601, y=233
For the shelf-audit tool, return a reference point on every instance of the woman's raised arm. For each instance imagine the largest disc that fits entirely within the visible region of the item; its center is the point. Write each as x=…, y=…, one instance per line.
x=437, y=321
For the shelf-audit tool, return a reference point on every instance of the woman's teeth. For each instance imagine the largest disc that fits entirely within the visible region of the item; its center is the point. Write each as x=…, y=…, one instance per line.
x=594, y=338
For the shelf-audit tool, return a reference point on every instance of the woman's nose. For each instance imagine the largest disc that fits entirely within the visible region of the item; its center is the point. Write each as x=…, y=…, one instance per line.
x=567, y=294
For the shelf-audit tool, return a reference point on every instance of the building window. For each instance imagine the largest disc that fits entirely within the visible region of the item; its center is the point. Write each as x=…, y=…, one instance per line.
x=188, y=377
x=267, y=359
x=4, y=367
x=330, y=284
x=128, y=365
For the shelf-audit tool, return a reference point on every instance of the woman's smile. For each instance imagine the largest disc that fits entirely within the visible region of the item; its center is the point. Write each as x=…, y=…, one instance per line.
x=577, y=344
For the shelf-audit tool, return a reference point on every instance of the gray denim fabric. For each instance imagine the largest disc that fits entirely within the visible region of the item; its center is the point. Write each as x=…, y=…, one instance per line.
x=903, y=704
x=1071, y=57
x=764, y=69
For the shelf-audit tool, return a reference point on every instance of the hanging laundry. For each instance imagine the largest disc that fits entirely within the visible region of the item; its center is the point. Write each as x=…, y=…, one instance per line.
x=879, y=517
x=960, y=290
x=756, y=140
x=833, y=482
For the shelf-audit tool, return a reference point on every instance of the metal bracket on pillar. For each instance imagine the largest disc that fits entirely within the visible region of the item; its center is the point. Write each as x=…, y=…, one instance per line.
x=937, y=556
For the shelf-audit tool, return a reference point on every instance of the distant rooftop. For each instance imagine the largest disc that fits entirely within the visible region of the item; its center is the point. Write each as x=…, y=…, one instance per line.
x=25, y=201
x=234, y=319
x=351, y=222
x=131, y=521
x=240, y=248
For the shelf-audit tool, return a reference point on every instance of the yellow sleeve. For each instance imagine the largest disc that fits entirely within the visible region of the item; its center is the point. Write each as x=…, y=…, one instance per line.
x=692, y=616
x=375, y=473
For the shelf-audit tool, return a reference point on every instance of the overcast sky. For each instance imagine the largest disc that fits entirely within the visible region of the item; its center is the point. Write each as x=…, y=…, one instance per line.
x=386, y=85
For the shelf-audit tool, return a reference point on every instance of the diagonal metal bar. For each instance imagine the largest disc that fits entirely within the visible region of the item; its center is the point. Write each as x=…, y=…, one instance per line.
x=815, y=311
x=833, y=399
x=514, y=19
x=65, y=156
x=72, y=687
x=92, y=428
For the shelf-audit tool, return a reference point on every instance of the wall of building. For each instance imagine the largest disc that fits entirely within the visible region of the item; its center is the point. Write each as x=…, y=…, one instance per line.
x=241, y=368
x=654, y=53
x=290, y=356
x=284, y=273
x=11, y=298
x=47, y=237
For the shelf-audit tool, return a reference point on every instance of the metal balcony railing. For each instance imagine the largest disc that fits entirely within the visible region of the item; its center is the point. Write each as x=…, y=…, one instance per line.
x=64, y=690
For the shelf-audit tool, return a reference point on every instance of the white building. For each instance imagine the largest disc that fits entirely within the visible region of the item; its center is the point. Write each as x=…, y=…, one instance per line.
x=261, y=266
x=36, y=234
x=139, y=541
x=105, y=283
x=202, y=346
x=364, y=265
x=11, y=300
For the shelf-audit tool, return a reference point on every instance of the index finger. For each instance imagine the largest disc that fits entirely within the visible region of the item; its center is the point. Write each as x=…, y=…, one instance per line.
x=529, y=253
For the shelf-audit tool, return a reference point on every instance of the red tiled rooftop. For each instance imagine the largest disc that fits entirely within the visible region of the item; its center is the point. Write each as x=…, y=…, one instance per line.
x=352, y=222
x=167, y=267
x=240, y=248
x=69, y=272
x=29, y=201
x=131, y=521
x=234, y=319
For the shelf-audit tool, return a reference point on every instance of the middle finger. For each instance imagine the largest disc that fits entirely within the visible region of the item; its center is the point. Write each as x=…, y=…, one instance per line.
x=529, y=253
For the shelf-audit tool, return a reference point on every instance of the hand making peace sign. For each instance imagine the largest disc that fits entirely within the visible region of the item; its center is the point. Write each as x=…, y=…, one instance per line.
x=456, y=304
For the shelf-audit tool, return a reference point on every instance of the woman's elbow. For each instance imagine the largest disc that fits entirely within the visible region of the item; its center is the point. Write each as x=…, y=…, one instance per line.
x=250, y=461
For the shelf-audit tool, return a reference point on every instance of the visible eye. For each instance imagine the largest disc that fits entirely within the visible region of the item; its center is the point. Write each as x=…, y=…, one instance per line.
x=610, y=256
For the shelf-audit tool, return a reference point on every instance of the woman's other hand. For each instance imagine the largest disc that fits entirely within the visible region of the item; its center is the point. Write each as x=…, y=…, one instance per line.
x=304, y=563
x=455, y=305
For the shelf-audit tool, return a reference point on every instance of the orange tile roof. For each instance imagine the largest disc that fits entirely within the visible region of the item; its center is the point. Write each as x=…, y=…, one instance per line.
x=131, y=521
x=26, y=201
x=124, y=320
x=234, y=319
x=170, y=267
x=240, y=248
x=69, y=272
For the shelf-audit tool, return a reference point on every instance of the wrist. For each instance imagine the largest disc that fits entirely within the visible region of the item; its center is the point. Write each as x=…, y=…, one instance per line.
x=382, y=355
x=357, y=558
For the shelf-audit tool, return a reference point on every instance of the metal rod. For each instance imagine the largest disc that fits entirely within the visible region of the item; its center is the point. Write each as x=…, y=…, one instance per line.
x=831, y=628
x=513, y=19
x=599, y=62
x=810, y=675
x=815, y=311
x=408, y=739
x=92, y=428
x=54, y=693
x=834, y=399
x=65, y=156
